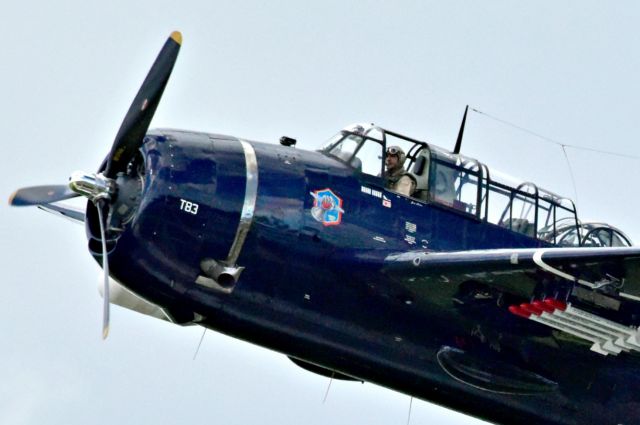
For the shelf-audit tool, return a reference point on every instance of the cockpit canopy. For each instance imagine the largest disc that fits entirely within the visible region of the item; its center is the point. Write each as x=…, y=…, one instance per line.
x=468, y=187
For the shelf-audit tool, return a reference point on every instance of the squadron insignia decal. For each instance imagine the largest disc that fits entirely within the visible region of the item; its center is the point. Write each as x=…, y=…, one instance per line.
x=327, y=207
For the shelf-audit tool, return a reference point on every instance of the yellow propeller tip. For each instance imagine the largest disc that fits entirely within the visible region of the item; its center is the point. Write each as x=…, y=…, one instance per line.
x=177, y=37
x=105, y=333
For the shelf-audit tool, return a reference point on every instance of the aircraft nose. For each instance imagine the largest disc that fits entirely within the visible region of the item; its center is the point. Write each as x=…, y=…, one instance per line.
x=194, y=210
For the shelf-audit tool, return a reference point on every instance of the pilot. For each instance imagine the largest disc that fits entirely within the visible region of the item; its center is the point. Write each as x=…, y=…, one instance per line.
x=398, y=180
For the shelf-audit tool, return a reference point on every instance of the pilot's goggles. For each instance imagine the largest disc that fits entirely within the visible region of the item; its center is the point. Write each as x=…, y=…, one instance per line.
x=393, y=151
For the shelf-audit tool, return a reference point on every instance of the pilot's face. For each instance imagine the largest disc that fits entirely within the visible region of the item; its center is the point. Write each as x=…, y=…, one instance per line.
x=391, y=162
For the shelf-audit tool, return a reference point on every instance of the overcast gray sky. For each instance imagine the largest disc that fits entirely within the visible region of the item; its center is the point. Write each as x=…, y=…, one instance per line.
x=69, y=70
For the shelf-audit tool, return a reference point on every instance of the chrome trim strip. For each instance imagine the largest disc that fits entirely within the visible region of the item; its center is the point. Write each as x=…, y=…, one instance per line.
x=537, y=258
x=629, y=296
x=216, y=270
x=248, y=208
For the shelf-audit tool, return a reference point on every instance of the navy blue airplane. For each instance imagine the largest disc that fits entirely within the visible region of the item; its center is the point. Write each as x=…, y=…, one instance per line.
x=477, y=292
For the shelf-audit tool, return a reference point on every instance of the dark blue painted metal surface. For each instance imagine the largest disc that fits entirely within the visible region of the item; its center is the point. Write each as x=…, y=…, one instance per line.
x=324, y=293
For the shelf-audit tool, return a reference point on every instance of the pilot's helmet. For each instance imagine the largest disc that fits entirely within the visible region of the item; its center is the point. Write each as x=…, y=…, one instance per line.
x=398, y=152
x=357, y=129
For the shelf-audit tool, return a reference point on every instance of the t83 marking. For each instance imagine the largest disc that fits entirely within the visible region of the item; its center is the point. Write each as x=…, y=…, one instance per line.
x=190, y=207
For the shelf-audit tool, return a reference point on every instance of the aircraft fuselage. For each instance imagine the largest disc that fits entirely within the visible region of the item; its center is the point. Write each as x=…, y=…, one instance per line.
x=312, y=281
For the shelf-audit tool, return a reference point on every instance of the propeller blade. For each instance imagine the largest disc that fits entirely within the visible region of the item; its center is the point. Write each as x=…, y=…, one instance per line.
x=136, y=122
x=41, y=195
x=105, y=268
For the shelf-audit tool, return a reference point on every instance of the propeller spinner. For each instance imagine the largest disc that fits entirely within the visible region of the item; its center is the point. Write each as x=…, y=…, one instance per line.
x=102, y=188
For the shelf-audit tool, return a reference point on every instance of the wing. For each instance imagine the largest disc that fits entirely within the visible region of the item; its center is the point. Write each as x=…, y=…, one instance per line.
x=614, y=271
x=590, y=293
x=72, y=213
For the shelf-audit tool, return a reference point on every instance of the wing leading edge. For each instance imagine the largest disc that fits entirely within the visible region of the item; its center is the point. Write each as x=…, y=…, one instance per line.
x=615, y=271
